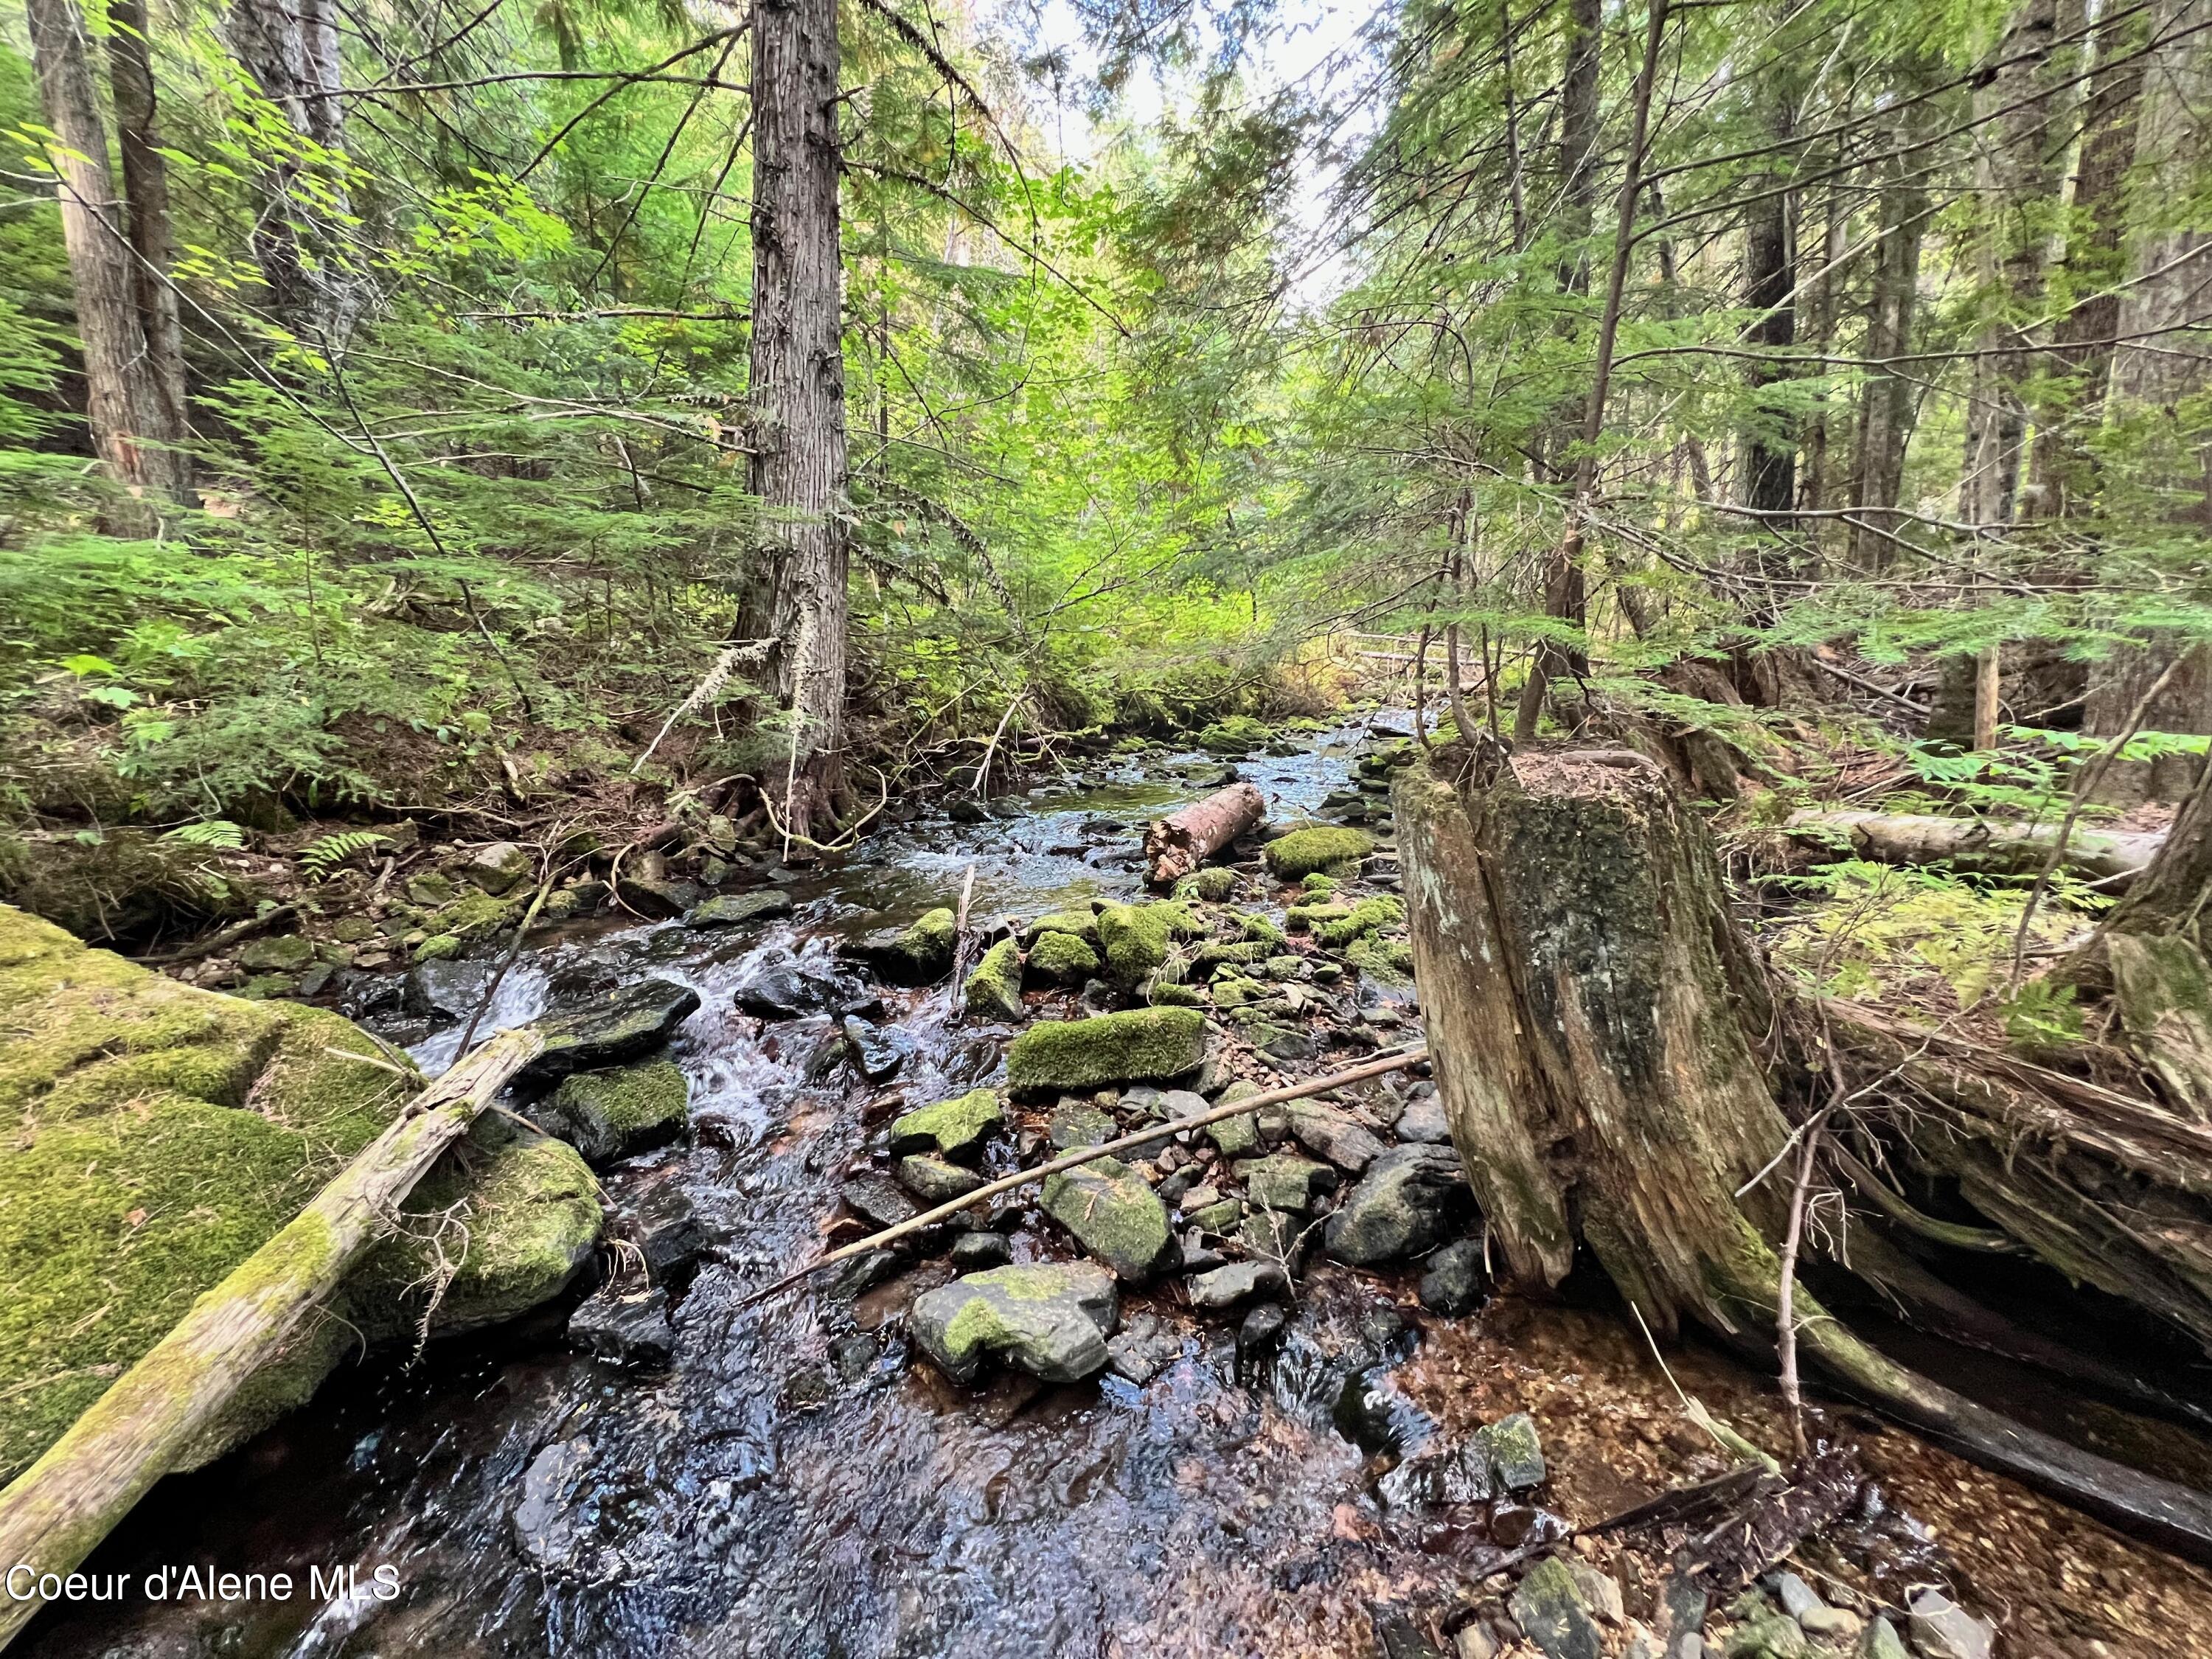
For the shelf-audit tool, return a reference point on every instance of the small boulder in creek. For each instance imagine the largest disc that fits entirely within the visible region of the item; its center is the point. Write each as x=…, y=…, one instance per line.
x=620, y=1025
x=1144, y=1045
x=628, y=1330
x=1328, y=1133
x=918, y=954
x=994, y=991
x=734, y=910
x=780, y=986
x=498, y=868
x=1514, y=1451
x=1051, y=1320
x=1412, y=1198
x=1239, y=1282
x=1548, y=1605
x=613, y=1114
x=1452, y=1283
x=935, y=1181
x=1115, y=1216
x=954, y=1129
x=877, y=1051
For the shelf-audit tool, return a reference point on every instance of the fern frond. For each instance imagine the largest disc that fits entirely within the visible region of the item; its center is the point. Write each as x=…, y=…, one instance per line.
x=211, y=833
x=322, y=858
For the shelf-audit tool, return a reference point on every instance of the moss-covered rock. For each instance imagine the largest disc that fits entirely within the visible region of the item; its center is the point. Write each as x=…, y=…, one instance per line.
x=286, y=953
x=1213, y=884
x=1234, y=735
x=1320, y=848
x=157, y=1136
x=1145, y=1045
x=1052, y=1320
x=1115, y=1215
x=994, y=991
x=437, y=947
x=1365, y=917
x=1082, y=924
x=1061, y=959
x=1258, y=930
x=955, y=1128
x=927, y=946
x=1166, y=994
x=1135, y=938
x=617, y=1113
x=1386, y=962
x=1311, y=917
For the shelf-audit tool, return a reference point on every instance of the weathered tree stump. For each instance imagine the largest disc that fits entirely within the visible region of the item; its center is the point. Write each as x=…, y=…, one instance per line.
x=1618, y=1071
x=1176, y=845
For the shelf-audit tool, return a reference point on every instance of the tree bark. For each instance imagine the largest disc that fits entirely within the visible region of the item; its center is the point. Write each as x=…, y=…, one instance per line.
x=290, y=49
x=798, y=388
x=121, y=404
x=63, y=1506
x=1885, y=404
x=153, y=241
x=1770, y=481
x=1176, y=845
x=2160, y=360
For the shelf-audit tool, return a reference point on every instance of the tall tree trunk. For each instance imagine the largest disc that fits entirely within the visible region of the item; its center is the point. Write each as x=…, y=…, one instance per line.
x=153, y=242
x=1885, y=420
x=2160, y=361
x=1769, y=476
x=121, y=401
x=290, y=49
x=797, y=386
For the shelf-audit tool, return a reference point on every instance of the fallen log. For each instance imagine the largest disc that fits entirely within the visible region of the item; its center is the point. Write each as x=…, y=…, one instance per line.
x=1176, y=845
x=59, y=1509
x=2110, y=857
x=1617, y=1071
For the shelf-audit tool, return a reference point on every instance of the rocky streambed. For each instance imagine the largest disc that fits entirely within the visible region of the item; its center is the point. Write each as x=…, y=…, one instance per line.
x=1237, y=1392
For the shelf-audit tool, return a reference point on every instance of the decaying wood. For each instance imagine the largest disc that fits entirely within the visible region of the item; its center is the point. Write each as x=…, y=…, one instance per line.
x=1616, y=1070
x=1176, y=845
x=1151, y=1134
x=1814, y=1494
x=2110, y=857
x=63, y=1506
x=2163, y=992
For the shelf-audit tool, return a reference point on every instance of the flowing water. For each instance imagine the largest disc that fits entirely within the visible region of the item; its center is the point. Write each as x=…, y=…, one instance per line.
x=793, y=1486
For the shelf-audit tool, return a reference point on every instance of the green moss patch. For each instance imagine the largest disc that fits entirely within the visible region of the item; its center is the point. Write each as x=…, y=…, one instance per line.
x=1061, y=959
x=1082, y=924
x=1321, y=848
x=1364, y=918
x=617, y=1113
x=955, y=1128
x=1145, y=1045
x=994, y=989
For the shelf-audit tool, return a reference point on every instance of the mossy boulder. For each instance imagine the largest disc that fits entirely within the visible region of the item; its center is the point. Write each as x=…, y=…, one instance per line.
x=1385, y=961
x=1061, y=959
x=994, y=991
x=1115, y=1215
x=1321, y=848
x=1234, y=735
x=1135, y=938
x=158, y=1134
x=955, y=1128
x=1213, y=884
x=479, y=916
x=925, y=949
x=617, y=1113
x=1082, y=924
x=1366, y=917
x=499, y=868
x=286, y=953
x=1051, y=1319
x=1144, y=1045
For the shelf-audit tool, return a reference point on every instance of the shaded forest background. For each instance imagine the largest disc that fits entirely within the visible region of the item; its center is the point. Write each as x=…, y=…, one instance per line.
x=393, y=430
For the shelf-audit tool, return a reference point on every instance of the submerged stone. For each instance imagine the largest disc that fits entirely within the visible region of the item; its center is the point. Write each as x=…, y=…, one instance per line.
x=1144, y=1045
x=877, y=1051
x=1051, y=1320
x=613, y=1114
x=732, y=910
x=1115, y=1216
x=628, y=1330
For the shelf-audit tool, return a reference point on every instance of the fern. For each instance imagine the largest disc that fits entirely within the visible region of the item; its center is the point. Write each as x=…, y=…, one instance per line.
x=323, y=857
x=212, y=833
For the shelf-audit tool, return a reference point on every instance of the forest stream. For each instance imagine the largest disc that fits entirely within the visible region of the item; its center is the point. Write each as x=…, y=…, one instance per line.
x=799, y=1482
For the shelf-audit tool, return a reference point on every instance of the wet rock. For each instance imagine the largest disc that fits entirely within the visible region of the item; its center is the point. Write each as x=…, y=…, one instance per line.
x=1147, y=1045
x=613, y=1114
x=1423, y=1120
x=1548, y=1605
x=877, y=1052
x=445, y=990
x=864, y=1273
x=1075, y=1123
x=1452, y=1283
x=1514, y=1452
x=630, y=1330
x=994, y=991
x=661, y=898
x=780, y=987
x=1143, y=1350
x=1941, y=1629
x=1115, y=1216
x=549, y=1528
x=877, y=1198
x=973, y=1252
x=1261, y=1333
x=1049, y=1320
x=1096, y=997
x=620, y=1026
x=498, y=868
x=660, y=1219
x=935, y=1181
x=957, y=1129
x=1328, y=1133
x=1881, y=1641
x=1225, y=1287
x=1285, y=1181
x=734, y=910
x=1375, y=1414
x=1437, y=1473
x=1219, y=1217
x=1273, y=1236
x=1399, y=1638
x=1412, y=1198
x=917, y=954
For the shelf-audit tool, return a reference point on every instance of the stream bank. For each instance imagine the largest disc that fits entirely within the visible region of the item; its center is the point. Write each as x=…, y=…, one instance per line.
x=800, y=1480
